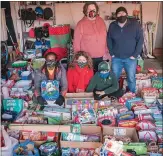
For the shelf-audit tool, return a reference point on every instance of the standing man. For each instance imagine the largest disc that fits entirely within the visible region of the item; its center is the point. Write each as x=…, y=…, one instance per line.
x=125, y=41
x=90, y=34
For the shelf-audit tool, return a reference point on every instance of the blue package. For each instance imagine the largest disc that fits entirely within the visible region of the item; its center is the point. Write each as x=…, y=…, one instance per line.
x=50, y=89
x=128, y=103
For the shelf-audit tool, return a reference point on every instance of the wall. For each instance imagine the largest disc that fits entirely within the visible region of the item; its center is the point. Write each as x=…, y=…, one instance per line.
x=159, y=33
x=71, y=13
x=150, y=12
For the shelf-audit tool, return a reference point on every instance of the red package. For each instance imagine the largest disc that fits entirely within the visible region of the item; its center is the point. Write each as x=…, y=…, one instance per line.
x=152, y=72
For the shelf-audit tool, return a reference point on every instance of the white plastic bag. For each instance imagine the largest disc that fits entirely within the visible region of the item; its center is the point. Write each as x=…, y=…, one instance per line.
x=9, y=144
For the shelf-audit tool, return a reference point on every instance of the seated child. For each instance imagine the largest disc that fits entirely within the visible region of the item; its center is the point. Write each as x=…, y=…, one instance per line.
x=104, y=83
x=52, y=70
x=79, y=73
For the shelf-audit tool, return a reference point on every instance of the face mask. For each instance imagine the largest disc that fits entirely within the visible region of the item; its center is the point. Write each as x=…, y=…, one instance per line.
x=92, y=14
x=104, y=75
x=121, y=19
x=50, y=64
x=82, y=64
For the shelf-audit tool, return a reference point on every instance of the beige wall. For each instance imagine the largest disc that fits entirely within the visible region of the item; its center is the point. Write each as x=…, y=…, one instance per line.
x=71, y=13
x=159, y=33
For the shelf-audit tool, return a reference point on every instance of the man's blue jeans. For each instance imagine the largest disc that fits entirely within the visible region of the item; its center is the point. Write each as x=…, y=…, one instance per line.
x=129, y=66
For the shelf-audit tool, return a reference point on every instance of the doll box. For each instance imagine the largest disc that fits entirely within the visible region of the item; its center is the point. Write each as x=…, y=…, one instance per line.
x=88, y=130
x=79, y=101
x=120, y=131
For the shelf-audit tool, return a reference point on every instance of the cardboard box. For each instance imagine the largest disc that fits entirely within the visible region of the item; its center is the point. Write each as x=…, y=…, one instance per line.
x=39, y=127
x=79, y=95
x=84, y=130
x=120, y=131
x=70, y=101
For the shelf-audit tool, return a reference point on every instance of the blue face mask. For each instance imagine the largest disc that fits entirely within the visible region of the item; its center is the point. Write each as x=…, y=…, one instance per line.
x=104, y=75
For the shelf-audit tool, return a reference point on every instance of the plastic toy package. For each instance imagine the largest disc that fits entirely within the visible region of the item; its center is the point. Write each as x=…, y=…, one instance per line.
x=126, y=97
x=115, y=147
x=86, y=116
x=49, y=148
x=77, y=152
x=80, y=137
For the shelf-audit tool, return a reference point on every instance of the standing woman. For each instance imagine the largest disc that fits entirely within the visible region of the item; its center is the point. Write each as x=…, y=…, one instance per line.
x=90, y=34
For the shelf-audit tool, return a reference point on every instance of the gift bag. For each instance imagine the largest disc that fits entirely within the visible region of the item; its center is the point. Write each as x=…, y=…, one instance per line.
x=157, y=82
x=147, y=135
x=145, y=125
x=59, y=36
x=50, y=89
x=152, y=147
x=140, y=84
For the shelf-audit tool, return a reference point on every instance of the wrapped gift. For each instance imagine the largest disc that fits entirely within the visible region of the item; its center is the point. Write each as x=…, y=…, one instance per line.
x=140, y=63
x=157, y=82
x=125, y=97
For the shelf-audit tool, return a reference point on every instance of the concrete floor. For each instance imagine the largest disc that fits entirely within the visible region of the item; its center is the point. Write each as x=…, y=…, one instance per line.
x=153, y=63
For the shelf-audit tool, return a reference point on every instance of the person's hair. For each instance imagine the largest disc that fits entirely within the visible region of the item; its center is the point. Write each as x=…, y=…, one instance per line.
x=85, y=7
x=77, y=55
x=50, y=53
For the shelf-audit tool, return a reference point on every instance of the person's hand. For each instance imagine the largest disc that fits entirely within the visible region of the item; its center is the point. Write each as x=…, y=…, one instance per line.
x=100, y=92
x=63, y=93
x=41, y=100
x=132, y=58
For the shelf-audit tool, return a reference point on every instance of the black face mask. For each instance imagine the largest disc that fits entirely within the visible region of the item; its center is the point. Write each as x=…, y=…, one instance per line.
x=121, y=19
x=51, y=64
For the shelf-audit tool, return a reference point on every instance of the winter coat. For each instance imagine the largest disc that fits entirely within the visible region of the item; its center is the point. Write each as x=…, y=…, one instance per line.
x=108, y=85
x=78, y=78
x=60, y=75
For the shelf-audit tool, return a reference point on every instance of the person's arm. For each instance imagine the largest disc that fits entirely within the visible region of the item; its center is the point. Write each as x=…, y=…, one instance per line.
x=114, y=87
x=38, y=78
x=91, y=85
x=63, y=81
x=139, y=40
x=77, y=38
x=70, y=81
x=109, y=40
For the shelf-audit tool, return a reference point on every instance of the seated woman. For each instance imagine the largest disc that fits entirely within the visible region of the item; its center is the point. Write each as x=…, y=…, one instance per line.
x=52, y=70
x=79, y=73
x=104, y=83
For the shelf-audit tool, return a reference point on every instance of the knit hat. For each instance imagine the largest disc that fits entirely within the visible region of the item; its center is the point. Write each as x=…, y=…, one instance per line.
x=104, y=65
x=121, y=9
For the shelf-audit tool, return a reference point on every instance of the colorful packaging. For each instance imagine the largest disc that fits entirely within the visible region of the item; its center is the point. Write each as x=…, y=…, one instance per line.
x=50, y=89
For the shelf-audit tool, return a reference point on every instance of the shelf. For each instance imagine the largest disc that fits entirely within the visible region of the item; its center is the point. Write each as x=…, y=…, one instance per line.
x=38, y=20
x=40, y=127
x=34, y=39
